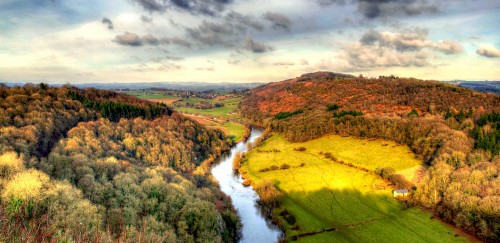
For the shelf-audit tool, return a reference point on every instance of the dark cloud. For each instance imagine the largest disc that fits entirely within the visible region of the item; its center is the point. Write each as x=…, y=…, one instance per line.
x=173, y=58
x=278, y=20
x=107, y=22
x=146, y=19
x=132, y=39
x=488, y=51
x=150, y=40
x=243, y=21
x=256, y=47
x=210, y=33
x=128, y=39
x=177, y=41
x=228, y=31
x=206, y=7
x=166, y=59
x=386, y=8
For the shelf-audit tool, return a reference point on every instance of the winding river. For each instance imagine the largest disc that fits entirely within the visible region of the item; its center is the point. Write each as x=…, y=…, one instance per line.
x=256, y=228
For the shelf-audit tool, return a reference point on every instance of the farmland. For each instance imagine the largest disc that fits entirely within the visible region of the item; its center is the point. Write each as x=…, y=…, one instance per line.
x=155, y=96
x=227, y=111
x=223, y=117
x=333, y=201
x=234, y=130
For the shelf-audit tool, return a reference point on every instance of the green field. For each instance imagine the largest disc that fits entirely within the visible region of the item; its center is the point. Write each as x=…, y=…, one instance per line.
x=233, y=130
x=228, y=111
x=150, y=94
x=357, y=205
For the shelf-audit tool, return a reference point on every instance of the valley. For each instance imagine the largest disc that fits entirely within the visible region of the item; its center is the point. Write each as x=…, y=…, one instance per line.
x=249, y=121
x=324, y=169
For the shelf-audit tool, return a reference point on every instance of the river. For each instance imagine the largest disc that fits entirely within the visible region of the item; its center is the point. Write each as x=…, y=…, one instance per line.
x=256, y=228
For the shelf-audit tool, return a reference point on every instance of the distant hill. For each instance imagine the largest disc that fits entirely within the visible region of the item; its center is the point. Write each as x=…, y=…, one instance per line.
x=191, y=86
x=483, y=86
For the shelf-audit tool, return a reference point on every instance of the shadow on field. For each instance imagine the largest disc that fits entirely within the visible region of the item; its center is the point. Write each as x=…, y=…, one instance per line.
x=342, y=212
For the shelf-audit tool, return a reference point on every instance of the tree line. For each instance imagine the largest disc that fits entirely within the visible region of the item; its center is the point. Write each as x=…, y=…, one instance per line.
x=92, y=165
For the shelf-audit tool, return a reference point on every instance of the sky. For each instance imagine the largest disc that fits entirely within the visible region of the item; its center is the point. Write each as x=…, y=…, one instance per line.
x=92, y=41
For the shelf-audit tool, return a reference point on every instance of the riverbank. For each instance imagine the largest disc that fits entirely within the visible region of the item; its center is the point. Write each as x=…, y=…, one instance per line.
x=256, y=226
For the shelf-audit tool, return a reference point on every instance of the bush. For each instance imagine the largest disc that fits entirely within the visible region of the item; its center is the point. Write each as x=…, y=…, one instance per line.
x=345, y=113
x=237, y=161
x=400, y=181
x=385, y=172
x=268, y=193
x=283, y=115
x=273, y=167
x=290, y=219
x=300, y=149
x=284, y=167
x=332, y=107
x=10, y=164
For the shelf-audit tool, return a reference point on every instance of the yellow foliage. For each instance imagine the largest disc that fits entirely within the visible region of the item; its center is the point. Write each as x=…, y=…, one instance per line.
x=10, y=163
x=68, y=207
x=26, y=185
x=111, y=160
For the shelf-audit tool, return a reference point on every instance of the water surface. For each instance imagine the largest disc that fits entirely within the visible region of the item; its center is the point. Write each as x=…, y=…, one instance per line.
x=256, y=228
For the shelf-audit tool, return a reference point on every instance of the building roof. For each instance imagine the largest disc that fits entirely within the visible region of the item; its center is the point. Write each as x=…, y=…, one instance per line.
x=401, y=191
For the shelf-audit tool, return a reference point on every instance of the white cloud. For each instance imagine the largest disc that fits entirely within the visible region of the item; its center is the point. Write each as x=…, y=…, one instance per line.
x=488, y=51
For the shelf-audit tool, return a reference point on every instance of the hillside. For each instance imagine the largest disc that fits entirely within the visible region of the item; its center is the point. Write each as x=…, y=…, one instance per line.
x=92, y=165
x=381, y=96
x=453, y=130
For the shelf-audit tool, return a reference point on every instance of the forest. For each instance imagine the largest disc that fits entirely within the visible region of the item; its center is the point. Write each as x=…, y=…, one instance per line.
x=454, y=130
x=91, y=165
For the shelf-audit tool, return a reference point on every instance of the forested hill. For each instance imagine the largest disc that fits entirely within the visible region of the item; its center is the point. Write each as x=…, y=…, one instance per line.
x=383, y=95
x=456, y=131
x=92, y=165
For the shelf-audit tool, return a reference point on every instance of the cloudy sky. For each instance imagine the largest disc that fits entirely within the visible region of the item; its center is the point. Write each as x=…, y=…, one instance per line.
x=246, y=40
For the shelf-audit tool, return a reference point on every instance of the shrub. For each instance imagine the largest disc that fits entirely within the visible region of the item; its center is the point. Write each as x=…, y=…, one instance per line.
x=284, y=167
x=385, y=172
x=283, y=115
x=290, y=219
x=300, y=149
x=332, y=107
x=268, y=193
x=345, y=113
x=10, y=164
x=237, y=161
x=27, y=185
x=400, y=181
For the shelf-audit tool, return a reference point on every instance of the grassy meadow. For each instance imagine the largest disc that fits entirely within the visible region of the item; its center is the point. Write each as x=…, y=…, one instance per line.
x=228, y=111
x=234, y=130
x=355, y=205
x=154, y=96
